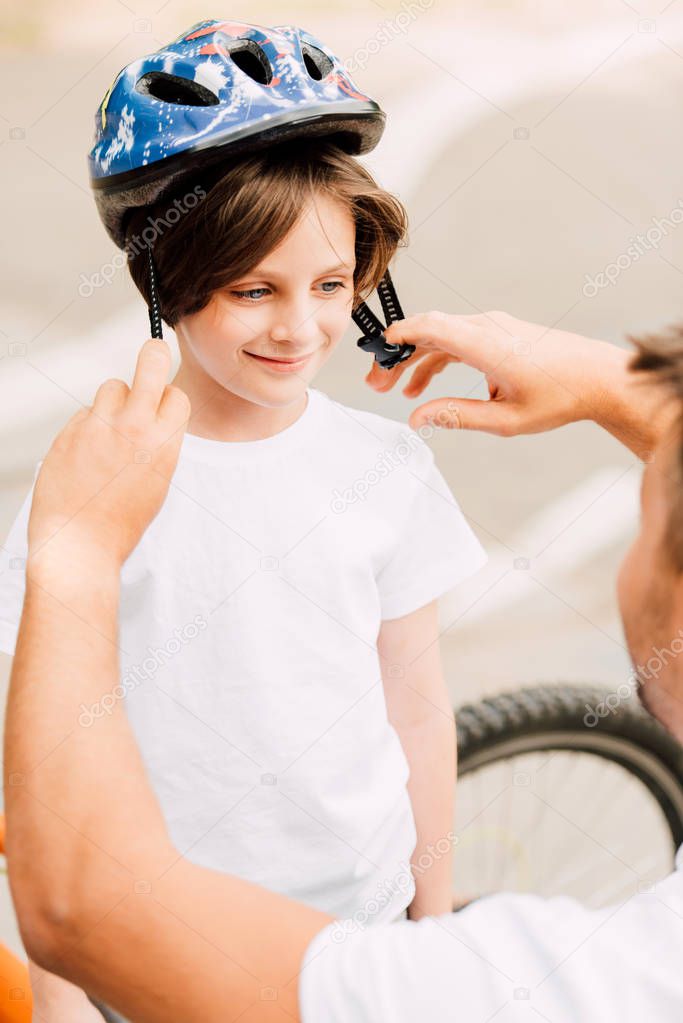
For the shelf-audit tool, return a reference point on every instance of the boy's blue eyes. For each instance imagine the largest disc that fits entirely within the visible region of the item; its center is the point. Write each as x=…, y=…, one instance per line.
x=255, y=293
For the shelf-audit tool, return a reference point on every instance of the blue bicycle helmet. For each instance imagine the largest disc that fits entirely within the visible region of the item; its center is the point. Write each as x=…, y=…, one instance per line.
x=219, y=90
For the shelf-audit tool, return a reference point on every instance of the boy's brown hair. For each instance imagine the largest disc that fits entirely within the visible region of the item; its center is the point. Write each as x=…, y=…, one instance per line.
x=661, y=356
x=240, y=213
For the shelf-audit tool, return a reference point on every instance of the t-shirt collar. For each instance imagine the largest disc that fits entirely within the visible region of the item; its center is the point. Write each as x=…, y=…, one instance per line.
x=205, y=449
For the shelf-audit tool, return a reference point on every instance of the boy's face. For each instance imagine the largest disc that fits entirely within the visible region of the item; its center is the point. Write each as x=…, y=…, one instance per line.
x=267, y=343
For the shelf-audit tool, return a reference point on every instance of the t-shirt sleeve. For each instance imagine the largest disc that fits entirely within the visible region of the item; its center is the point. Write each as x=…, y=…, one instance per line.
x=513, y=957
x=13, y=573
x=436, y=548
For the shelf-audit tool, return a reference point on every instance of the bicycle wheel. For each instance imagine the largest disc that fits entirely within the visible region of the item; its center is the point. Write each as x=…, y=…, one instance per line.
x=565, y=790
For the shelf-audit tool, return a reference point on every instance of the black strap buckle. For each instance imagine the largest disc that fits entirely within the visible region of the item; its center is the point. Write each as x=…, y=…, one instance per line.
x=374, y=340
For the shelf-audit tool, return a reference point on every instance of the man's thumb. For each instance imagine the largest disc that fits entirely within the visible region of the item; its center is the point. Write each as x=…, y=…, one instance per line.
x=461, y=414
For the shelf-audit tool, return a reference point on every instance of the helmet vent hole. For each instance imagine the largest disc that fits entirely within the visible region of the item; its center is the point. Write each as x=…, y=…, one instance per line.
x=173, y=89
x=318, y=64
x=252, y=60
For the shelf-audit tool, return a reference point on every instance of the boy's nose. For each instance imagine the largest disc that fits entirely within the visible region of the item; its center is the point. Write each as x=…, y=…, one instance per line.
x=298, y=331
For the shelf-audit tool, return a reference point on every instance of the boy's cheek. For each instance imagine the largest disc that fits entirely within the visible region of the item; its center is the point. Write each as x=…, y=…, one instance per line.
x=339, y=329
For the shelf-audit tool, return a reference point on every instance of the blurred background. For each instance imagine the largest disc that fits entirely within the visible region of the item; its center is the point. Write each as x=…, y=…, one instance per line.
x=532, y=144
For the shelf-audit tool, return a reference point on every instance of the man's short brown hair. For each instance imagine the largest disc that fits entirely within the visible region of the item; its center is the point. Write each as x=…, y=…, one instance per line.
x=247, y=210
x=661, y=355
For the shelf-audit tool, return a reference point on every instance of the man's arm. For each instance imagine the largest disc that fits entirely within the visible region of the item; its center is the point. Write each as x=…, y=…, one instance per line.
x=538, y=379
x=419, y=708
x=102, y=896
x=55, y=1000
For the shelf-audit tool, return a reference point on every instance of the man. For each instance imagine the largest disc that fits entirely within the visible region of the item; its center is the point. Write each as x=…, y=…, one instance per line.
x=102, y=896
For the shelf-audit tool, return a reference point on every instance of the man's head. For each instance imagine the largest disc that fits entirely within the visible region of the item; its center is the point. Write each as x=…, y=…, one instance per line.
x=269, y=265
x=650, y=583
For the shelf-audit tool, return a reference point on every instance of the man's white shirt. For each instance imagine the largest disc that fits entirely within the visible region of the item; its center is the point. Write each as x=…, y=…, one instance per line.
x=507, y=958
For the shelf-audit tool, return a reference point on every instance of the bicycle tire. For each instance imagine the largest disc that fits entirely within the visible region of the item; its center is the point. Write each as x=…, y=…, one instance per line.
x=551, y=717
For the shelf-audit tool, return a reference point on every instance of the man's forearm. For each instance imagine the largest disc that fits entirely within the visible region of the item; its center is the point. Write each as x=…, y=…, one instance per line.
x=55, y=1000
x=75, y=791
x=92, y=870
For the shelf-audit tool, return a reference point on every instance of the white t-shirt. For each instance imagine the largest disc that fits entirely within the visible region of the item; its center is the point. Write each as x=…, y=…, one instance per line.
x=249, y=616
x=507, y=958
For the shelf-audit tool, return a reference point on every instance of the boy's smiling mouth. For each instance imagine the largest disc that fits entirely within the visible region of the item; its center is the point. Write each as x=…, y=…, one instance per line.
x=282, y=365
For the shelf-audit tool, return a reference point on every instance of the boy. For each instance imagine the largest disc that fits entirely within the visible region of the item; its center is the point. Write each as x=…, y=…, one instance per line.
x=278, y=626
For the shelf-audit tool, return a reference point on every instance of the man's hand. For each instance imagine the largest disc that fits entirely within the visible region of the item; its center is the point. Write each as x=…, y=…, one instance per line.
x=107, y=473
x=538, y=378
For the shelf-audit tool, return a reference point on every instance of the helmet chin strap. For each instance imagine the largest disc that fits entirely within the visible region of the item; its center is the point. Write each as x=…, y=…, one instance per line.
x=386, y=354
x=374, y=340
x=154, y=307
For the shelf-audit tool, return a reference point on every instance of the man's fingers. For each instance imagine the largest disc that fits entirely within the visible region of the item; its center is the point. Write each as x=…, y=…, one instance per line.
x=78, y=417
x=384, y=379
x=66, y=434
x=174, y=408
x=428, y=368
x=467, y=414
x=151, y=374
x=462, y=337
x=111, y=396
